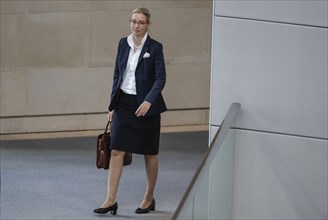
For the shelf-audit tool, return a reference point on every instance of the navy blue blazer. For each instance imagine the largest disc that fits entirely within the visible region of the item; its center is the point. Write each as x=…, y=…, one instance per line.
x=150, y=75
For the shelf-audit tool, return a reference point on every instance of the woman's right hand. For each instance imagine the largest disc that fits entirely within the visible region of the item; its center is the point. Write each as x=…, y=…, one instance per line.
x=110, y=115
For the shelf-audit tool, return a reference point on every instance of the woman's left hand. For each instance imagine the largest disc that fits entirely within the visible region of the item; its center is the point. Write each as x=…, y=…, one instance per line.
x=143, y=109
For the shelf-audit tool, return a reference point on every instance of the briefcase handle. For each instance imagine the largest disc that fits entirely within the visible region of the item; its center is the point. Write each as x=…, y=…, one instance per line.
x=109, y=124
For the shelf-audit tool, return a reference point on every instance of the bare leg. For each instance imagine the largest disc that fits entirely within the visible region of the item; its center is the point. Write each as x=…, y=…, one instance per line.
x=114, y=176
x=151, y=162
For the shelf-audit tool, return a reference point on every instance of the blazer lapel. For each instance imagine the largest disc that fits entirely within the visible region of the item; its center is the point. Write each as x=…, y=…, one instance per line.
x=144, y=49
x=125, y=56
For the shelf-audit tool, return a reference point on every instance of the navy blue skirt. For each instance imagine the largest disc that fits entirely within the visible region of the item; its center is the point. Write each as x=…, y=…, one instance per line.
x=134, y=134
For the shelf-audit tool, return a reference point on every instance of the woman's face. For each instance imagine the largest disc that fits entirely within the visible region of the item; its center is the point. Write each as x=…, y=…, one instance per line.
x=139, y=25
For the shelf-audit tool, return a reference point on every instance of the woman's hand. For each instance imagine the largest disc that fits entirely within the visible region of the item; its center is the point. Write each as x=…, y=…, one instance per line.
x=110, y=115
x=143, y=109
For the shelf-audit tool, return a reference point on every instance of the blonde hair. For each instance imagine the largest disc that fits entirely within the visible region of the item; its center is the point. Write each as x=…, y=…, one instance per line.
x=143, y=11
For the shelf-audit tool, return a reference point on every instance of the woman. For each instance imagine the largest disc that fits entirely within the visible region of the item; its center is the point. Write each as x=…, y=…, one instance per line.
x=135, y=107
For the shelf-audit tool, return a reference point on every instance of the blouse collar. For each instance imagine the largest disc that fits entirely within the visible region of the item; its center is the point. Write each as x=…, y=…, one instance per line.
x=131, y=42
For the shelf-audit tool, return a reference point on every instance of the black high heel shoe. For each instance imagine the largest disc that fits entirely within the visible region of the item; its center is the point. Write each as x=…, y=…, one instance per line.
x=112, y=208
x=146, y=210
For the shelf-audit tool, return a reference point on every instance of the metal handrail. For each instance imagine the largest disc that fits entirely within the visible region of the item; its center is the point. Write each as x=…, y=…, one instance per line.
x=207, y=159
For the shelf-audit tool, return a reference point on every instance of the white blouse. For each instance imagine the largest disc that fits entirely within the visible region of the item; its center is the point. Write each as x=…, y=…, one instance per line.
x=129, y=81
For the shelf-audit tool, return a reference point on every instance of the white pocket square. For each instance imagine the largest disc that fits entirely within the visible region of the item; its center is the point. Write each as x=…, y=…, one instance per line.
x=146, y=55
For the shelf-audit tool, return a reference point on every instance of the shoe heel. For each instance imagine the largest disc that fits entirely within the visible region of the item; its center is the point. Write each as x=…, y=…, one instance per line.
x=114, y=212
x=153, y=205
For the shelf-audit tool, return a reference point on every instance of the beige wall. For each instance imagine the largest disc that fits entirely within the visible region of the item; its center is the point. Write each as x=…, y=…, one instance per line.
x=57, y=61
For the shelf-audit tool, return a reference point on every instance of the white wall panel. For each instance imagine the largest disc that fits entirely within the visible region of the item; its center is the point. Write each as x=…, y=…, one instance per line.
x=280, y=177
x=277, y=72
x=289, y=11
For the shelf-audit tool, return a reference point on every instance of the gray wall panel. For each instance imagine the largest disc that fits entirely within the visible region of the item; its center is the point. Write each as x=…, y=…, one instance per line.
x=271, y=56
x=298, y=12
x=280, y=177
x=277, y=72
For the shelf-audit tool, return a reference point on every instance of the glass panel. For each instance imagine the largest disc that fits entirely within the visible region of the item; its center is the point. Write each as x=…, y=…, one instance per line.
x=190, y=211
x=201, y=199
x=211, y=191
x=222, y=179
x=214, y=197
x=197, y=208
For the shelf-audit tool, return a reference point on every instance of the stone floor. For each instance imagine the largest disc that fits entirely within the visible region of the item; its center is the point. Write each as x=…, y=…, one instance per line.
x=57, y=178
